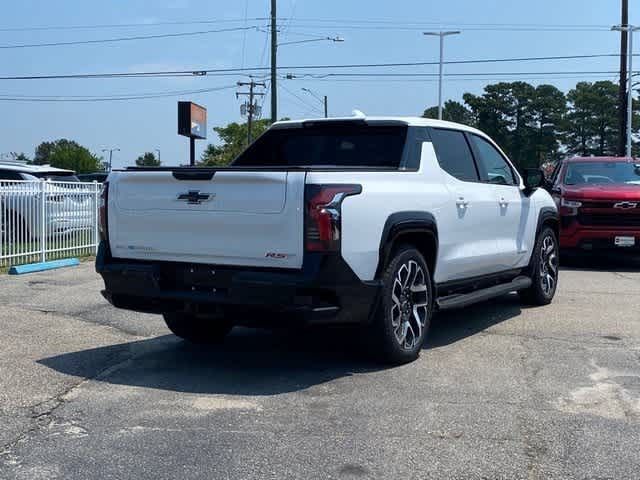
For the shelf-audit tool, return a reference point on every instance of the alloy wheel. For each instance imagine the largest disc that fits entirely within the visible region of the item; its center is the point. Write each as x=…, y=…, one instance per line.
x=410, y=304
x=548, y=265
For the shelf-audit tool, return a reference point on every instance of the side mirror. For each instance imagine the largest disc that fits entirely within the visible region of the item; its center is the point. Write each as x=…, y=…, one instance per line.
x=533, y=178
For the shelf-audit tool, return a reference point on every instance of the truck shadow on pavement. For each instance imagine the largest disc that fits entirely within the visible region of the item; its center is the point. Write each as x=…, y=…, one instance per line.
x=256, y=362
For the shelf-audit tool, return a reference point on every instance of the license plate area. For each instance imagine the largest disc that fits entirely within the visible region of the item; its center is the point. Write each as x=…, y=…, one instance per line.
x=624, y=241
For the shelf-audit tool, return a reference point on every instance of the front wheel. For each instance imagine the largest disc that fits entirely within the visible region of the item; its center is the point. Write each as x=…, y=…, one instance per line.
x=404, y=314
x=197, y=329
x=543, y=269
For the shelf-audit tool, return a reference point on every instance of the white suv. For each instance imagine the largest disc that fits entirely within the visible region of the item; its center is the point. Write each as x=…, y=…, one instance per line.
x=371, y=221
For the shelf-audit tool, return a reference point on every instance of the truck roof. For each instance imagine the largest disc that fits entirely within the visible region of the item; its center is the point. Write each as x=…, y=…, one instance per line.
x=409, y=121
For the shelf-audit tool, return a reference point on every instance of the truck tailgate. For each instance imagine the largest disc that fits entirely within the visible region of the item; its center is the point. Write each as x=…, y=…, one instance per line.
x=239, y=218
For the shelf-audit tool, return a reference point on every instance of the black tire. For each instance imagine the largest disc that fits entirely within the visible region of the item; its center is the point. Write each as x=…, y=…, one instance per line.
x=196, y=329
x=400, y=306
x=543, y=269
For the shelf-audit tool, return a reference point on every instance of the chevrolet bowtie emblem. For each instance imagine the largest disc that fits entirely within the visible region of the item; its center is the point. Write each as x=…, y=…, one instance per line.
x=195, y=197
x=625, y=205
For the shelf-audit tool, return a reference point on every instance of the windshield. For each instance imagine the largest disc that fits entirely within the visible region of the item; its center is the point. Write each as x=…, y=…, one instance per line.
x=597, y=173
x=327, y=146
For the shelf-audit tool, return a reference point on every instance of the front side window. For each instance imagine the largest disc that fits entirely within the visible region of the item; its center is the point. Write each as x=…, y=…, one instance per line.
x=454, y=154
x=599, y=173
x=494, y=168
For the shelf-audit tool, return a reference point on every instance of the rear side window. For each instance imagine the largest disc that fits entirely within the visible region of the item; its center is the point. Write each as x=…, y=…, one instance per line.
x=9, y=175
x=340, y=145
x=494, y=168
x=454, y=154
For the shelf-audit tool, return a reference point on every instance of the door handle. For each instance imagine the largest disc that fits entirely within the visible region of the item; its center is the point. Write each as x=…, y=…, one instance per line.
x=462, y=203
x=503, y=202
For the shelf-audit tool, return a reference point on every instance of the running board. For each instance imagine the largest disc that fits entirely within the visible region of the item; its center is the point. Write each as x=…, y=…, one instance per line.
x=459, y=300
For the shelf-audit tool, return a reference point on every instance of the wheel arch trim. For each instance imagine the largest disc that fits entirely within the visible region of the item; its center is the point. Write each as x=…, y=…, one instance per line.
x=406, y=222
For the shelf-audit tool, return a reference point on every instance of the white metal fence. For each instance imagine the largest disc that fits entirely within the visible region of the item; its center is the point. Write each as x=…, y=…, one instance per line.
x=43, y=220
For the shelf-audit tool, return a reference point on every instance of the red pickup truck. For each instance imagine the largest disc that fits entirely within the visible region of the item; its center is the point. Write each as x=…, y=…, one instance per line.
x=598, y=199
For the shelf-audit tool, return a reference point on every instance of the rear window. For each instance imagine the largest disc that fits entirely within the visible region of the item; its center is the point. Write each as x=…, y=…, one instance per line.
x=338, y=145
x=454, y=154
x=56, y=176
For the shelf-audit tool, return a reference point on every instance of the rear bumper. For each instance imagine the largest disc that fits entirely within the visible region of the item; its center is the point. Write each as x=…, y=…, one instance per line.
x=325, y=290
x=574, y=235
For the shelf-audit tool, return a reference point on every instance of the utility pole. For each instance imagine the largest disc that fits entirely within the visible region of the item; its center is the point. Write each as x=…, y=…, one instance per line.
x=250, y=106
x=441, y=35
x=629, y=130
x=326, y=108
x=158, y=150
x=274, y=62
x=110, y=150
x=622, y=91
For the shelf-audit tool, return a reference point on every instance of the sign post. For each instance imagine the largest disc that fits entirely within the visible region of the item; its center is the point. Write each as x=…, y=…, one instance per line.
x=192, y=123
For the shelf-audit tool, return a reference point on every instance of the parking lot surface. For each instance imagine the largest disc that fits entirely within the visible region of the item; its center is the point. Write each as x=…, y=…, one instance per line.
x=500, y=391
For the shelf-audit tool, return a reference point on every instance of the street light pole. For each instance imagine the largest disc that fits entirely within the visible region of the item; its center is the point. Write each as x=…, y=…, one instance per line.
x=274, y=60
x=110, y=150
x=441, y=34
x=629, y=29
x=322, y=100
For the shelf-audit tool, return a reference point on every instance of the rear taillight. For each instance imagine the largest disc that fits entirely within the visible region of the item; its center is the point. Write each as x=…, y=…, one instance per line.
x=323, y=226
x=102, y=211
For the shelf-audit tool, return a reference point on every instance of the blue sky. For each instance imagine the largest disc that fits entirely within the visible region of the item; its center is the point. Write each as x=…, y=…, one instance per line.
x=144, y=125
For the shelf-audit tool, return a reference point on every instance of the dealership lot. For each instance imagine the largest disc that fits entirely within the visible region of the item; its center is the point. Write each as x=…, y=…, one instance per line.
x=501, y=391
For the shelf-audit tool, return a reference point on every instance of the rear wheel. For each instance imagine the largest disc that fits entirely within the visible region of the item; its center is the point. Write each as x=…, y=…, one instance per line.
x=403, y=317
x=543, y=269
x=197, y=329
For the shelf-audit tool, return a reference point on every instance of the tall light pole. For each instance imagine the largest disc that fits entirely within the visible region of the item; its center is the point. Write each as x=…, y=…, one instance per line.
x=629, y=29
x=158, y=150
x=441, y=34
x=110, y=150
x=323, y=100
x=274, y=62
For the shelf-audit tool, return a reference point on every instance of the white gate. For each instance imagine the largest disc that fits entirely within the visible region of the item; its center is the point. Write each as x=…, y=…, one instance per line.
x=44, y=220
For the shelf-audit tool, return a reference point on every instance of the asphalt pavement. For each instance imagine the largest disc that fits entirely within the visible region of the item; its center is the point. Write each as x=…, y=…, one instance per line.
x=500, y=391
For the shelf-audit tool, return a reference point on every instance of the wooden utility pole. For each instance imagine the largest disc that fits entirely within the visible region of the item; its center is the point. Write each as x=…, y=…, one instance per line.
x=622, y=91
x=251, y=106
x=274, y=63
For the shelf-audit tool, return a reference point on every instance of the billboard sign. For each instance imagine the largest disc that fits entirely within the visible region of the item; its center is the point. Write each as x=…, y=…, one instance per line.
x=192, y=120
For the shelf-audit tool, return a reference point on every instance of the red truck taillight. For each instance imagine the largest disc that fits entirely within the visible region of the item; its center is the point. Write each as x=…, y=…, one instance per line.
x=323, y=227
x=102, y=211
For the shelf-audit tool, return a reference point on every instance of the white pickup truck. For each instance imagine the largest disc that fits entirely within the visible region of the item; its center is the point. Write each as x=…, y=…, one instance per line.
x=376, y=222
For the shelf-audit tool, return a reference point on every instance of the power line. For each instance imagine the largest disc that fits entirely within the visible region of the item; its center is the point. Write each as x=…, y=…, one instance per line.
x=126, y=25
x=300, y=99
x=306, y=21
x=107, y=98
x=248, y=70
x=125, y=39
x=426, y=75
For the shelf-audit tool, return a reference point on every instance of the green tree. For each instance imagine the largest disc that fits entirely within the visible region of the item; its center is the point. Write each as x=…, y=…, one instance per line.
x=77, y=158
x=147, y=160
x=233, y=138
x=452, y=111
x=592, y=122
x=67, y=154
x=525, y=121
